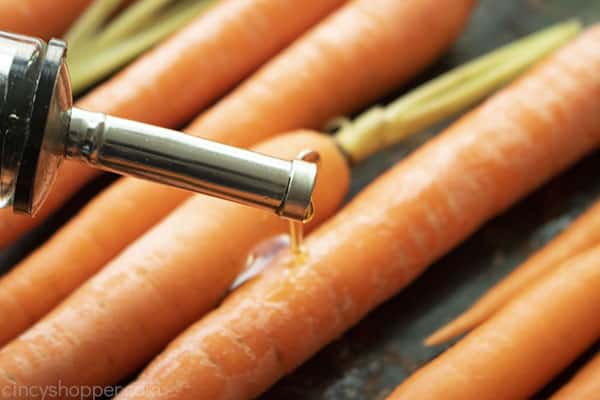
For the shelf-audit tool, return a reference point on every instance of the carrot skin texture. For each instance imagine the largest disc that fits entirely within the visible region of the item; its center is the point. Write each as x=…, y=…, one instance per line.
x=79, y=249
x=40, y=18
x=177, y=79
x=389, y=233
x=354, y=57
x=71, y=178
x=518, y=350
x=583, y=234
x=167, y=279
x=584, y=385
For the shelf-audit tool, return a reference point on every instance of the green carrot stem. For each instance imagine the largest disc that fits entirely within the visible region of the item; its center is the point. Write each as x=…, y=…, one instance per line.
x=129, y=21
x=91, y=21
x=86, y=71
x=449, y=81
x=426, y=113
x=442, y=97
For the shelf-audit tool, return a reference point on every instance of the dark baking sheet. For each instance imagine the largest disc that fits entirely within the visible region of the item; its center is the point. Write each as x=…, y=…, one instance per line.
x=381, y=351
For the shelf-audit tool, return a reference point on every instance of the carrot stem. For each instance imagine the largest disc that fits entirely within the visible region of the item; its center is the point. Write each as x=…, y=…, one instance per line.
x=380, y=127
x=85, y=71
x=130, y=21
x=90, y=22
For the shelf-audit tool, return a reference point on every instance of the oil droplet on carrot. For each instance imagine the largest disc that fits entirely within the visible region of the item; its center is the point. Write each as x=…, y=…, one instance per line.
x=260, y=258
x=264, y=253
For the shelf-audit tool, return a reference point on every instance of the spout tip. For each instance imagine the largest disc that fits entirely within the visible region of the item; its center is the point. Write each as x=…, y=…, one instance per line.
x=297, y=203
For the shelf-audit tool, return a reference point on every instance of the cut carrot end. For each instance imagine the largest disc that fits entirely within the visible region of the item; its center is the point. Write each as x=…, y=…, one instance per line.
x=381, y=127
x=453, y=329
x=474, y=316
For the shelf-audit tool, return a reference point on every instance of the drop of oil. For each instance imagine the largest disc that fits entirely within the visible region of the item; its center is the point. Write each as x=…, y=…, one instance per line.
x=296, y=237
x=260, y=258
x=297, y=227
x=264, y=253
x=310, y=213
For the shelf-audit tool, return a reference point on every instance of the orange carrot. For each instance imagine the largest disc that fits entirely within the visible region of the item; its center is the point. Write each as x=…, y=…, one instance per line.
x=583, y=234
x=79, y=249
x=518, y=350
x=176, y=80
x=585, y=385
x=167, y=279
x=357, y=54
x=72, y=177
x=40, y=18
x=386, y=236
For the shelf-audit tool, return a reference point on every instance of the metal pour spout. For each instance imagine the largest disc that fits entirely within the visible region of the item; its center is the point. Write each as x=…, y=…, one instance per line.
x=191, y=163
x=39, y=128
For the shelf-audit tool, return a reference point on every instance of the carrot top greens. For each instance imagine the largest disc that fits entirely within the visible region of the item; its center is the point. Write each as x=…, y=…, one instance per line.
x=383, y=126
x=99, y=47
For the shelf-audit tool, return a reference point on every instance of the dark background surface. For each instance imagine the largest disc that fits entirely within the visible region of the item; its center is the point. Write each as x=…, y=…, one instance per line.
x=386, y=347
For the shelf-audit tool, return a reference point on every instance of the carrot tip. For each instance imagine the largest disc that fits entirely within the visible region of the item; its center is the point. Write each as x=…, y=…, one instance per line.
x=439, y=337
x=461, y=324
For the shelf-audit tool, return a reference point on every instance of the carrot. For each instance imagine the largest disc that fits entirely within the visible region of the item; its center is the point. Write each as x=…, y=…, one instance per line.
x=584, y=385
x=173, y=82
x=40, y=18
x=387, y=235
x=174, y=274
x=357, y=54
x=583, y=234
x=79, y=249
x=72, y=177
x=518, y=350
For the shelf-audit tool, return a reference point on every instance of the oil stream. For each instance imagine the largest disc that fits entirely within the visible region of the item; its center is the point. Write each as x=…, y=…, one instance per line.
x=264, y=253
